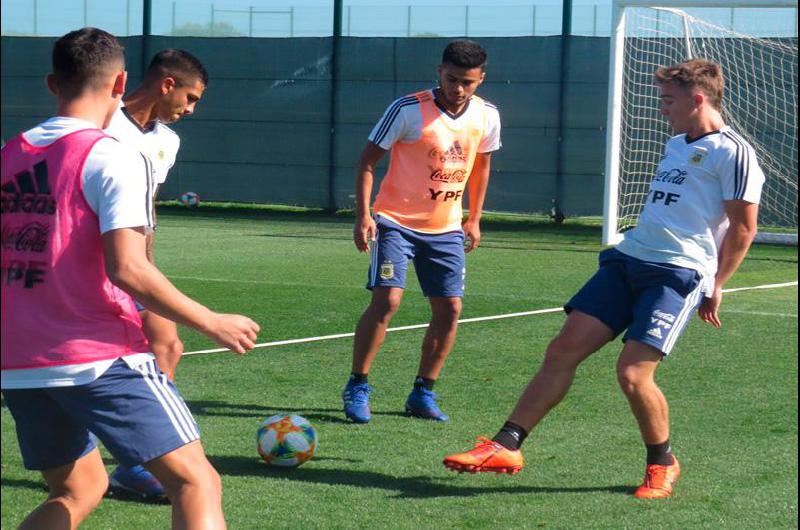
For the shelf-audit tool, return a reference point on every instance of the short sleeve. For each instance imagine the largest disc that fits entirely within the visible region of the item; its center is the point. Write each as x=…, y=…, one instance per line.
x=396, y=124
x=118, y=186
x=491, y=140
x=740, y=175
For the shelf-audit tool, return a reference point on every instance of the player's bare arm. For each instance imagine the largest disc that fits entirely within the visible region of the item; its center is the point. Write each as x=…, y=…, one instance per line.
x=477, y=185
x=364, y=230
x=128, y=267
x=743, y=218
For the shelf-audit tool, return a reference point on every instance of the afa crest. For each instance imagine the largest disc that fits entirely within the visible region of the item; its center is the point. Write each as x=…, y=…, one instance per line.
x=387, y=270
x=699, y=155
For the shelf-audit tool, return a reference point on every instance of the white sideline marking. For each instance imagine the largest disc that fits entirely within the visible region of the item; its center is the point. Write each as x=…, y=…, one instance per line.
x=466, y=320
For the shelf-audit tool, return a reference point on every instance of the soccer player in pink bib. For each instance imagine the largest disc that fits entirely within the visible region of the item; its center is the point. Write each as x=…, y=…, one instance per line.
x=441, y=141
x=74, y=218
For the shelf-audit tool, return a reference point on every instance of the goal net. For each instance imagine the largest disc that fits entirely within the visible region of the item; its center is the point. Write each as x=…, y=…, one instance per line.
x=760, y=104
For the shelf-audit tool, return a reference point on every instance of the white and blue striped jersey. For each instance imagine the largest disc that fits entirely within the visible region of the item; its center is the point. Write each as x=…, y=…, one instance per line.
x=683, y=221
x=402, y=122
x=158, y=143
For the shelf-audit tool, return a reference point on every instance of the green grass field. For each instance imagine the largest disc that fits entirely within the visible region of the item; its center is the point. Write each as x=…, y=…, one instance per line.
x=732, y=392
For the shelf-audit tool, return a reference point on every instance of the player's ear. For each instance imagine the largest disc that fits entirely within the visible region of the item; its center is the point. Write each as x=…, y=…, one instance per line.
x=119, y=83
x=50, y=83
x=167, y=84
x=698, y=98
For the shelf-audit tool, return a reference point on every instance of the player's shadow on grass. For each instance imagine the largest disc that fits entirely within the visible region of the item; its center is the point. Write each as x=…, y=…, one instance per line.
x=421, y=487
x=38, y=485
x=241, y=410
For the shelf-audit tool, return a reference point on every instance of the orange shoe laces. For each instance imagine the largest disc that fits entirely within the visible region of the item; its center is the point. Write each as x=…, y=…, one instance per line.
x=655, y=476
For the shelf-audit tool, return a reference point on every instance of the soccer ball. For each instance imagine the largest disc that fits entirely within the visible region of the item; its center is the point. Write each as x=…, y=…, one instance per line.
x=190, y=199
x=286, y=440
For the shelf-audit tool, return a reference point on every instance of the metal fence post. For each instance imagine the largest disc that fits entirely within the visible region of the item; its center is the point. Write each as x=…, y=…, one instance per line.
x=335, y=42
x=250, y=22
x=566, y=31
x=35, y=17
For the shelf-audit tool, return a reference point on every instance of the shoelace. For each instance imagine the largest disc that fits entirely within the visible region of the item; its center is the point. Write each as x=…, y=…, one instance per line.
x=359, y=394
x=653, y=473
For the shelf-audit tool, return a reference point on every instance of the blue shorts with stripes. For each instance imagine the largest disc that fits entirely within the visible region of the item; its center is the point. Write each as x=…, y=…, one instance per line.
x=136, y=412
x=439, y=259
x=653, y=301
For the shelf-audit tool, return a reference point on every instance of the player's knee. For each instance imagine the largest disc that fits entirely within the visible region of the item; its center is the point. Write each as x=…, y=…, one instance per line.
x=562, y=352
x=387, y=306
x=82, y=495
x=449, y=311
x=632, y=380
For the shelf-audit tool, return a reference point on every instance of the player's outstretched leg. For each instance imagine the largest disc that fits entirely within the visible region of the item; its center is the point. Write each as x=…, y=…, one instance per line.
x=636, y=369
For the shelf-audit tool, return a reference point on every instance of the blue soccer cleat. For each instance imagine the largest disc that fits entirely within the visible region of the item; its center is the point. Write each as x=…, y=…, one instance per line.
x=136, y=481
x=421, y=403
x=356, y=402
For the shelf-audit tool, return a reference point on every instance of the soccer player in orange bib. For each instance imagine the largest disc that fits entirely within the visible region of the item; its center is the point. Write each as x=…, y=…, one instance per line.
x=441, y=141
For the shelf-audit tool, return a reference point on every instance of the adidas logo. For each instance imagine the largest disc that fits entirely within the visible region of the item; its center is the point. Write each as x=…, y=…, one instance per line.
x=28, y=193
x=655, y=332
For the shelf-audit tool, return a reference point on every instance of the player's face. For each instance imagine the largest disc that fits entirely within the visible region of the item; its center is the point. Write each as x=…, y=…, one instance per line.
x=679, y=106
x=459, y=84
x=180, y=100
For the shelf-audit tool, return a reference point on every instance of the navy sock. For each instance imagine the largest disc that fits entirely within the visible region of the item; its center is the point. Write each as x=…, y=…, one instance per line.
x=660, y=454
x=423, y=382
x=511, y=436
x=358, y=378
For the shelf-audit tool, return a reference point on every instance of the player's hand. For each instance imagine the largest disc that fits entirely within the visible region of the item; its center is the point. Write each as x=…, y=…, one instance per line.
x=364, y=233
x=709, y=308
x=235, y=332
x=472, y=232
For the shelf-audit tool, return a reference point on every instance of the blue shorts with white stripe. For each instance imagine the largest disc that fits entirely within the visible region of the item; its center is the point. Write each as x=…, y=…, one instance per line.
x=135, y=411
x=653, y=301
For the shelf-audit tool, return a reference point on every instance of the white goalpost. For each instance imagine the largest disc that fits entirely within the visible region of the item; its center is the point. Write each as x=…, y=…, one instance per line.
x=760, y=101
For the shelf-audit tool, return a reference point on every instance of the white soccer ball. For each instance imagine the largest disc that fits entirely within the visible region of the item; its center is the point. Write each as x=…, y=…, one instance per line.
x=286, y=440
x=190, y=199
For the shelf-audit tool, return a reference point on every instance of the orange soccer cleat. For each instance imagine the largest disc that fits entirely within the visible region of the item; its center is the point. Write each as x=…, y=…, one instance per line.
x=488, y=455
x=658, y=481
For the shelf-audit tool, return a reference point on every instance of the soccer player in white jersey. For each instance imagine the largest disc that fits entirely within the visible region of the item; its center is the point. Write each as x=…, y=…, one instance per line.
x=441, y=141
x=172, y=86
x=74, y=359
x=696, y=227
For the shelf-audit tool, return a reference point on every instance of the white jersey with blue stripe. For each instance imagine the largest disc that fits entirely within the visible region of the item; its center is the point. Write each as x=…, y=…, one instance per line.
x=683, y=221
x=402, y=122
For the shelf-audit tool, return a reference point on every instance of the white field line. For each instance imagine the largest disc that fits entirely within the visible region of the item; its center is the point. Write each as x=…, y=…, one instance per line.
x=467, y=320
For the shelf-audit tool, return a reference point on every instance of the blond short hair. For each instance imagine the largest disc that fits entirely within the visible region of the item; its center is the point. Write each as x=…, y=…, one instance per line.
x=699, y=74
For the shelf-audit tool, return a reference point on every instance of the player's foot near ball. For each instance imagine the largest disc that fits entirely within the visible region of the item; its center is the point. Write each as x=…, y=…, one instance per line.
x=421, y=403
x=136, y=481
x=658, y=481
x=488, y=456
x=355, y=397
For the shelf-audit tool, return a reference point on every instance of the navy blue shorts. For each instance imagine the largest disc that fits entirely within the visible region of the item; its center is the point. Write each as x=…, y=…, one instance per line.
x=439, y=259
x=653, y=301
x=137, y=413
